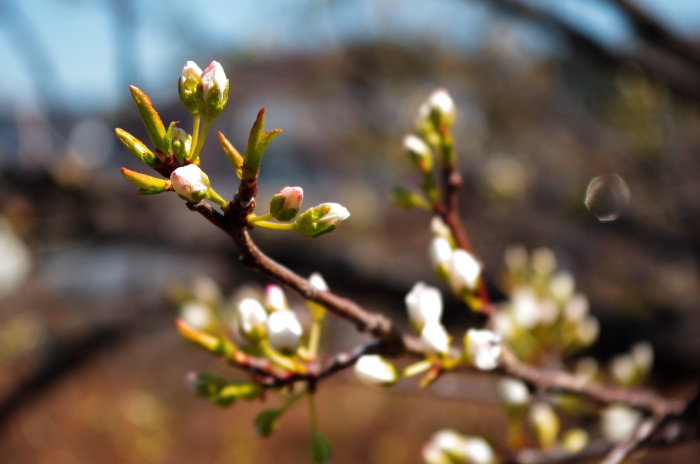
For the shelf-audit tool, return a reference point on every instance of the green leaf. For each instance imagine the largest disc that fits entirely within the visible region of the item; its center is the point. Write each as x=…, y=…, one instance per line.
x=136, y=147
x=267, y=422
x=265, y=140
x=321, y=448
x=148, y=185
x=151, y=119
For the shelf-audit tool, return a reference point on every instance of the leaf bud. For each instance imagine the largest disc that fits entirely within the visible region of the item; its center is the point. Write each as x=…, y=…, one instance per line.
x=148, y=185
x=136, y=147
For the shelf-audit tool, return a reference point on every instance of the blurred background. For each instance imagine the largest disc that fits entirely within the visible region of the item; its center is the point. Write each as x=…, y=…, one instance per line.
x=550, y=94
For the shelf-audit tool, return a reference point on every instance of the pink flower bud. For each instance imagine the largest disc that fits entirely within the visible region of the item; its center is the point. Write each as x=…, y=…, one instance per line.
x=285, y=204
x=190, y=182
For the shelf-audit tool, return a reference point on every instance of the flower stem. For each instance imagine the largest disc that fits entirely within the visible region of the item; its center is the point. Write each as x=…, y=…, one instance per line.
x=276, y=358
x=314, y=337
x=275, y=225
x=253, y=219
x=216, y=198
x=200, y=141
x=195, y=135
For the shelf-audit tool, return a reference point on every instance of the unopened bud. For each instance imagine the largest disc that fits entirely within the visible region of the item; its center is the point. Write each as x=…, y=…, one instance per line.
x=215, y=88
x=252, y=319
x=513, y=392
x=546, y=424
x=587, y=331
x=318, y=312
x=543, y=261
x=623, y=370
x=483, y=348
x=320, y=219
x=464, y=271
x=440, y=253
x=419, y=153
x=575, y=440
x=284, y=331
x=424, y=305
x=643, y=355
x=525, y=307
x=618, y=422
x=190, y=79
x=275, y=299
x=439, y=228
x=190, y=183
x=435, y=339
x=375, y=371
x=439, y=110
x=182, y=143
x=285, y=204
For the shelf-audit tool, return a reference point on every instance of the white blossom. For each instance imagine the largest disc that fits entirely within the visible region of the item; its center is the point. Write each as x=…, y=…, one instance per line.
x=317, y=280
x=284, y=330
x=197, y=314
x=476, y=450
x=643, y=355
x=525, y=307
x=484, y=348
x=375, y=371
x=441, y=101
x=424, y=305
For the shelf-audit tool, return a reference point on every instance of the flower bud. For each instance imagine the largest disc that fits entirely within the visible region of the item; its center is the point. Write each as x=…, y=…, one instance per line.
x=251, y=319
x=419, y=153
x=190, y=79
x=623, y=370
x=587, y=331
x=525, y=307
x=575, y=440
x=543, y=261
x=483, y=348
x=587, y=369
x=136, y=147
x=182, y=143
x=464, y=271
x=148, y=185
x=283, y=331
x=375, y=371
x=435, y=339
x=439, y=228
x=440, y=253
x=318, y=312
x=198, y=315
x=285, y=204
x=546, y=424
x=618, y=422
x=449, y=442
x=320, y=219
x=439, y=110
x=562, y=286
x=424, y=305
x=214, y=91
x=190, y=183
x=476, y=450
x=513, y=392
x=275, y=299
x=643, y=355
x=433, y=455
x=576, y=308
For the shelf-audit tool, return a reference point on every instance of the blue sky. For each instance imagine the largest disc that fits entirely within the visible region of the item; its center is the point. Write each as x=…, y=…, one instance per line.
x=80, y=64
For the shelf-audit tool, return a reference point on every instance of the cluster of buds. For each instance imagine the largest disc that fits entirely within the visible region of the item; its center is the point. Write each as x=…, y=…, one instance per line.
x=544, y=311
x=435, y=117
x=450, y=447
x=205, y=92
x=459, y=268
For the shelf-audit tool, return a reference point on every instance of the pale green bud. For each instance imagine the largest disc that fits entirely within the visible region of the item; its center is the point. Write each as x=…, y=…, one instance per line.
x=320, y=219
